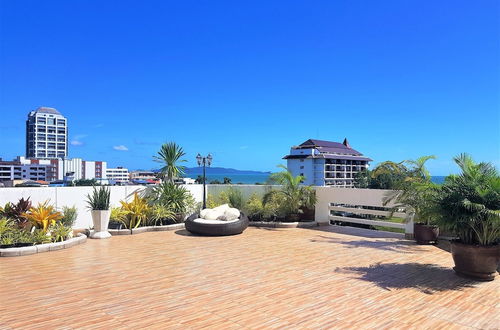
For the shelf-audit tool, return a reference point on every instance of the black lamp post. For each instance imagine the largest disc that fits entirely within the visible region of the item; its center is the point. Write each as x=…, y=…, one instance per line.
x=205, y=161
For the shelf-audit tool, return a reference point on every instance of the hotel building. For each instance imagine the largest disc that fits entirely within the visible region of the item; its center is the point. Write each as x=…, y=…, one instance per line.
x=46, y=134
x=325, y=163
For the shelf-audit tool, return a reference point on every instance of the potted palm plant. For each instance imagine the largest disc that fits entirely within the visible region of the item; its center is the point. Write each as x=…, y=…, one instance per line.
x=415, y=194
x=295, y=194
x=469, y=206
x=98, y=203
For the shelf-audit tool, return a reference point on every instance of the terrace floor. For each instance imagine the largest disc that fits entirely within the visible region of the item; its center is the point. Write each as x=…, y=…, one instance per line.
x=330, y=277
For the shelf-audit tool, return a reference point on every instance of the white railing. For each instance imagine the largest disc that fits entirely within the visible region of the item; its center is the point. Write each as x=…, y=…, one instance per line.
x=361, y=206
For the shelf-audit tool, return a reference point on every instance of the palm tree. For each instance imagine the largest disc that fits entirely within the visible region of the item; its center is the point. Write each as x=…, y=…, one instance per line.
x=417, y=167
x=469, y=203
x=415, y=193
x=295, y=194
x=170, y=154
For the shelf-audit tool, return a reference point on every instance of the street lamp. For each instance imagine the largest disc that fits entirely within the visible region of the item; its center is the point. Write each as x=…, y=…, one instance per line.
x=205, y=161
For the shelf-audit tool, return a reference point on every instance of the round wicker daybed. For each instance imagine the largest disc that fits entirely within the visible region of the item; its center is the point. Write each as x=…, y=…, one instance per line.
x=204, y=227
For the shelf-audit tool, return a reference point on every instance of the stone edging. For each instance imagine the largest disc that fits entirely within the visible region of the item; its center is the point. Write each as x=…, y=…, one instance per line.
x=115, y=232
x=27, y=250
x=283, y=224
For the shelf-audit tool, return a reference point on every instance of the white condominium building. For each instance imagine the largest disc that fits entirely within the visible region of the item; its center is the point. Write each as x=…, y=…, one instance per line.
x=46, y=134
x=74, y=168
x=119, y=174
x=325, y=163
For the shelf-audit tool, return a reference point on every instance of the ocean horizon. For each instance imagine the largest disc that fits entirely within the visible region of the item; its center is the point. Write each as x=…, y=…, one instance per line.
x=262, y=178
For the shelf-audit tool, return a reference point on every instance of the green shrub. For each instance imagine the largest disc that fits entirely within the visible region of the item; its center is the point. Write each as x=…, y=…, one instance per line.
x=254, y=207
x=60, y=232
x=69, y=216
x=160, y=213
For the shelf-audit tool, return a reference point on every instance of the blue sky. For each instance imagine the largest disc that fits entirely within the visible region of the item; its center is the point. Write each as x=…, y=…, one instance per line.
x=246, y=80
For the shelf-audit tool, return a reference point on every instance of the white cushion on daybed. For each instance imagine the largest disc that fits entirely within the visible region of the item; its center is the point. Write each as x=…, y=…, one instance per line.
x=211, y=214
x=222, y=208
x=213, y=222
x=220, y=212
x=232, y=214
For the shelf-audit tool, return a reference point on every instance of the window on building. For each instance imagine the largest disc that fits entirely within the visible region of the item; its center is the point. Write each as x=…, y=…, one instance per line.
x=302, y=167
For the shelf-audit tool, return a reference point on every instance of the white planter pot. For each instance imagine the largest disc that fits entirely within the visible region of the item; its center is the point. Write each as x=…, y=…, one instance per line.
x=101, y=221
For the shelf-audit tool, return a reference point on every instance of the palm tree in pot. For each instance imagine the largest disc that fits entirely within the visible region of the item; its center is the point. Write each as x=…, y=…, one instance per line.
x=416, y=195
x=296, y=196
x=469, y=206
x=98, y=203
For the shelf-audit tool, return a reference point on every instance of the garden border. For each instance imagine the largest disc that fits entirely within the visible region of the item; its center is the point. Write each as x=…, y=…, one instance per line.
x=40, y=248
x=134, y=231
x=271, y=224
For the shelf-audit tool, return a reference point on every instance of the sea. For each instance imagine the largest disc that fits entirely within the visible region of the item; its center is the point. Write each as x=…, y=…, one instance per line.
x=262, y=178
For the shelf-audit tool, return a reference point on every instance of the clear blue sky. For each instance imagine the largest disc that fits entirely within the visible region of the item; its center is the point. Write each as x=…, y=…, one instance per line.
x=246, y=80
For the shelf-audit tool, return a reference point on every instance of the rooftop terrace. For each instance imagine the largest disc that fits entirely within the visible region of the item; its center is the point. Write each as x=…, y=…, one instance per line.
x=330, y=277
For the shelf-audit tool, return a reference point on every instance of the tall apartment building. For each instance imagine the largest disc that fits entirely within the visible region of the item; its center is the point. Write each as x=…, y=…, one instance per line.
x=118, y=174
x=46, y=134
x=326, y=163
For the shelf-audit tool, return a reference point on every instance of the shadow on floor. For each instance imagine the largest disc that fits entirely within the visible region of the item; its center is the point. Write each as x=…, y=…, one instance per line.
x=360, y=232
x=426, y=278
x=184, y=232
x=399, y=246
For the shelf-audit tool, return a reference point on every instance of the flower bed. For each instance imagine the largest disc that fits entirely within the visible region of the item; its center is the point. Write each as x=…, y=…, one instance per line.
x=39, y=248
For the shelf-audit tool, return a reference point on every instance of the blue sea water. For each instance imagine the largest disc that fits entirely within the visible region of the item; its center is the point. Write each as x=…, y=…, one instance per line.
x=237, y=178
x=262, y=178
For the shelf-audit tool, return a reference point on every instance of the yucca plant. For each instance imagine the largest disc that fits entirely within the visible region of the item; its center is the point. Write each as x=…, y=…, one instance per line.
x=136, y=211
x=43, y=215
x=99, y=199
x=170, y=155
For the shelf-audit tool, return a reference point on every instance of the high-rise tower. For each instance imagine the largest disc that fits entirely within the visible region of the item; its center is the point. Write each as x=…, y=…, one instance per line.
x=46, y=134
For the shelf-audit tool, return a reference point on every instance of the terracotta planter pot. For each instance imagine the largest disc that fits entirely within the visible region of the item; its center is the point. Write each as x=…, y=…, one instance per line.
x=100, y=218
x=307, y=214
x=425, y=234
x=476, y=261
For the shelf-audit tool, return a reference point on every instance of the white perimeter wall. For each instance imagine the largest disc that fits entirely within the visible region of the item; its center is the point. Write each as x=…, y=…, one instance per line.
x=76, y=196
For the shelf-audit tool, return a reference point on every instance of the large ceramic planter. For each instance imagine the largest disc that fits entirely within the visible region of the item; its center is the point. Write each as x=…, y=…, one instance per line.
x=307, y=214
x=425, y=234
x=101, y=222
x=476, y=261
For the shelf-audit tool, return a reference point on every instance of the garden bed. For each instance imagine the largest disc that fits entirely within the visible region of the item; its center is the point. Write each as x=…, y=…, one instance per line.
x=39, y=248
x=277, y=224
x=139, y=230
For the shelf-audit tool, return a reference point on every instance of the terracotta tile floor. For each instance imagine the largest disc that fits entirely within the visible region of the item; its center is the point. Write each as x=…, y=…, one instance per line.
x=333, y=277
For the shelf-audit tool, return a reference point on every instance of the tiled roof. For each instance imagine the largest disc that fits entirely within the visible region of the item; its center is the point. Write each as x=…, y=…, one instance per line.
x=331, y=147
x=47, y=110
